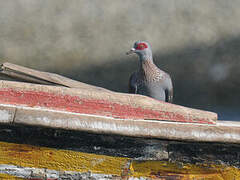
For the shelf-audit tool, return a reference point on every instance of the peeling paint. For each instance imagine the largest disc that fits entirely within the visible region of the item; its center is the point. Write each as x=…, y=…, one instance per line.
x=139, y=128
x=87, y=103
x=37, y=173
x=5, y=116
x=61, y=160
x=25, y=161
x=161, y=169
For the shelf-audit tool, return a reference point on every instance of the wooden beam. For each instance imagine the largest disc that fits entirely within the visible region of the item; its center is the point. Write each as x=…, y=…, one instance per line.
x=40, y=77
x=34, y=162
x=99, y=103
x=226, y=132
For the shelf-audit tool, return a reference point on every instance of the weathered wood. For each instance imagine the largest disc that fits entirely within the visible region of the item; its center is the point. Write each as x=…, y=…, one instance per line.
x=43, y=152
x=123, y=146
x=99, y=103
x=7, y=114
x=35, y=76
x=102, y=134
x=226, y=132
x=34, y=162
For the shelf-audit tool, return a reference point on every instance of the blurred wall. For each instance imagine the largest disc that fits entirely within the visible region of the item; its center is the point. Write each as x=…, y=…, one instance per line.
x=197, y=42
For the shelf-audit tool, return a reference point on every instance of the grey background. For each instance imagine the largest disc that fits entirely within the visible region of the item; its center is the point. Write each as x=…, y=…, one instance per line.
x=196, y=42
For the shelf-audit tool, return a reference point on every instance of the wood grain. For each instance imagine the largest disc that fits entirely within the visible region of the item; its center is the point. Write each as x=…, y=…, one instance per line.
x=99, y=103
x=35, y=76
x=33, y=116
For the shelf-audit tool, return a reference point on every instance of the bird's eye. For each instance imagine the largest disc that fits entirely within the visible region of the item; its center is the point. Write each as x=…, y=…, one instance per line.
x=141, y=46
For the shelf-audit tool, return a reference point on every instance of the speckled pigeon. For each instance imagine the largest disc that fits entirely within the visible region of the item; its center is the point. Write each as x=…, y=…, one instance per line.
x=149, y=80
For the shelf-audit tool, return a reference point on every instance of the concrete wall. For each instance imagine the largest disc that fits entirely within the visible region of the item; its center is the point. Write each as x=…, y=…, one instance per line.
x=197, y=42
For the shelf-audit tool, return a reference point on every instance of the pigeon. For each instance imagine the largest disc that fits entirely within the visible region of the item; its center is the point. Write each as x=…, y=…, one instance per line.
x=149, y=80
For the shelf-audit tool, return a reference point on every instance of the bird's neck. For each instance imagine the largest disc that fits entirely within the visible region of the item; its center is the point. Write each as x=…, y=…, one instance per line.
x=147, y=69
x=145, y=57
x=145, y=60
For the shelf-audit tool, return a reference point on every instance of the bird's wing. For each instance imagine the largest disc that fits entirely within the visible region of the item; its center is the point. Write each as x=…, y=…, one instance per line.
x=132, y=83
x=169, y=90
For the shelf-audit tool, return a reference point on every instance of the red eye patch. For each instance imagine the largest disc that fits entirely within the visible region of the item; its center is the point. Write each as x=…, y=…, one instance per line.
x=141, y=46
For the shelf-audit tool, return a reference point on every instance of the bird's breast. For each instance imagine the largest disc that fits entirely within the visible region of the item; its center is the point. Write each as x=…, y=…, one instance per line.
x=153, y=90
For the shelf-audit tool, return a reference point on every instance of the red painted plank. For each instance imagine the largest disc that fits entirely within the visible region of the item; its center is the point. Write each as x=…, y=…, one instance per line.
x=78, y=104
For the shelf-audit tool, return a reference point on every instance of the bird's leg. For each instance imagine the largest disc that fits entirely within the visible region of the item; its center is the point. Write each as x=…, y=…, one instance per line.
x=136, y=89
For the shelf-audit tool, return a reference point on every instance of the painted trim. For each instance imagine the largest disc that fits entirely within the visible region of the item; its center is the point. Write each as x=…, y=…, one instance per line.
x=115, y=105
x=51, y=163
x=61, y=160
x=86, y=106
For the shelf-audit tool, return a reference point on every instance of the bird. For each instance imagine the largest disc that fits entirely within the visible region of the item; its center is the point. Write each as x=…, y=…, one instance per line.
x=149, y=80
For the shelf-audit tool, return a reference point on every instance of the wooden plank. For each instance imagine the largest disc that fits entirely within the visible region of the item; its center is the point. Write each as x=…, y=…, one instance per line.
x=40, y=162
x=88, y=154
x=221, y=132
x=168, y=170
x=63, y=160
x=41, y=77
x=99, y=103
x=136, y=148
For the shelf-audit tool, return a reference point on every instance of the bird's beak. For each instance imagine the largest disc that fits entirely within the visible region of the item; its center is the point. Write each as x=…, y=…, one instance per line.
x=131, y=51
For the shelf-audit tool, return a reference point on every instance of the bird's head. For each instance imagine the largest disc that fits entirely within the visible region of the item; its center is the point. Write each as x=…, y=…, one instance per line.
x=142, y=49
